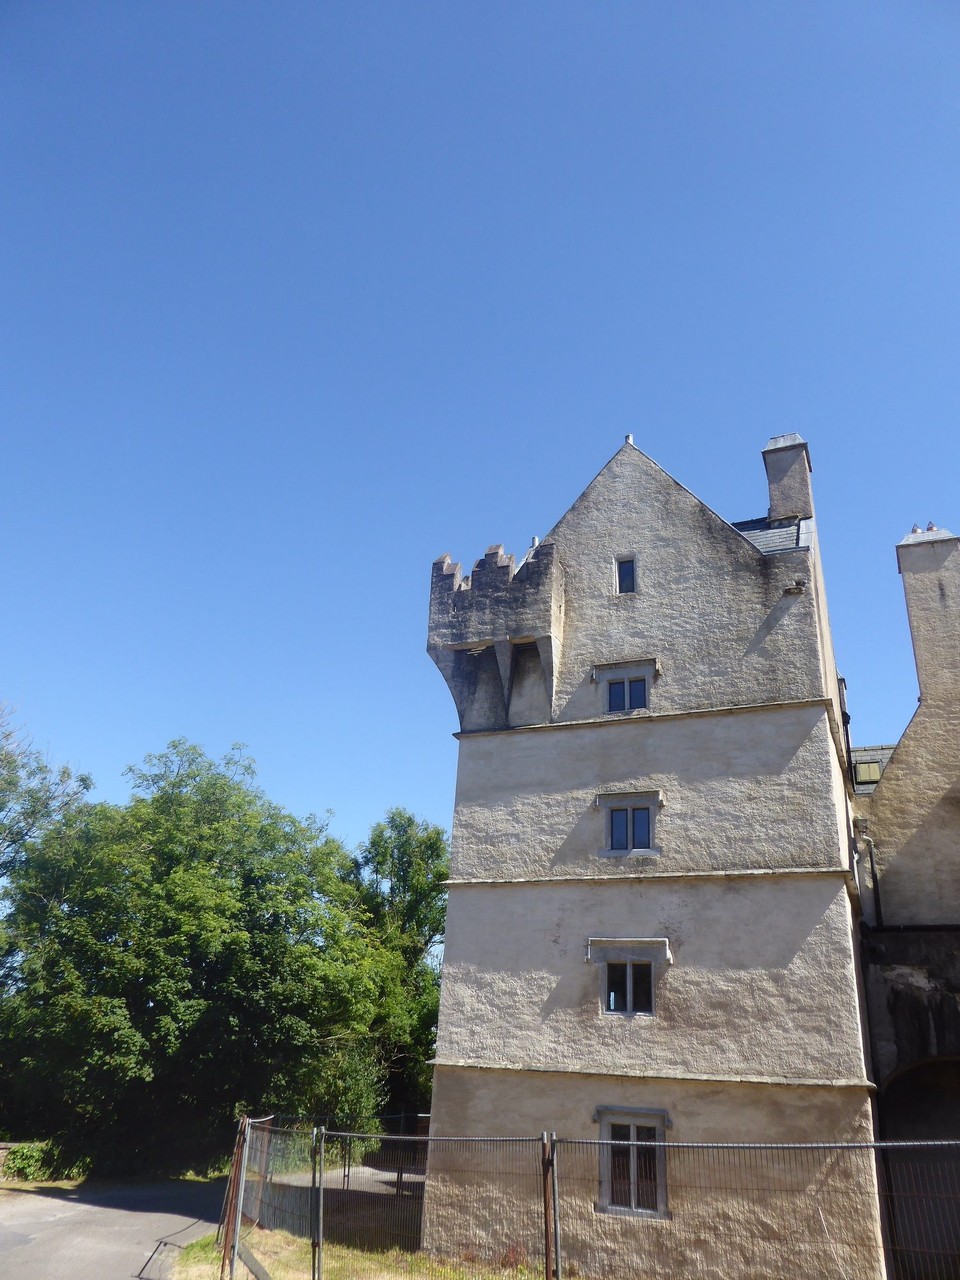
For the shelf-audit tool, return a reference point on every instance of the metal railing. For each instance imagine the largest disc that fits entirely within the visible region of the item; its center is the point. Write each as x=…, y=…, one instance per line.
x=314, y=1202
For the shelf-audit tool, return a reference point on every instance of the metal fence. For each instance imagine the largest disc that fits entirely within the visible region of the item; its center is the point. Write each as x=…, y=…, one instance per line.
x=338, y=1206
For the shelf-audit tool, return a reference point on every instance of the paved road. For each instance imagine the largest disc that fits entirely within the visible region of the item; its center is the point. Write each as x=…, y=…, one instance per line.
x=102, y=1232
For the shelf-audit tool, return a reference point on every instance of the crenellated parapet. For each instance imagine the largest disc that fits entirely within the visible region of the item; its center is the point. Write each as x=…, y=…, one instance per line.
x=495, y=635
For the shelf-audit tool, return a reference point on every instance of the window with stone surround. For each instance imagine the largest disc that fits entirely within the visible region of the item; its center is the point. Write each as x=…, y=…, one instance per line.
x=629, y=970
x=626, y=575
x=633, y=1165
x=624, y=688
x=630, y=820
x=627, y=694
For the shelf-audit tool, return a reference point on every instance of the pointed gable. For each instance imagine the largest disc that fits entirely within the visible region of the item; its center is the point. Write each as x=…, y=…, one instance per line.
x=725, y=624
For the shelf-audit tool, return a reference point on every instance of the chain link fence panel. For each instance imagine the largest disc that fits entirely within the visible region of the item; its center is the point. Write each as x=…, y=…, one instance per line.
x=362, y=1206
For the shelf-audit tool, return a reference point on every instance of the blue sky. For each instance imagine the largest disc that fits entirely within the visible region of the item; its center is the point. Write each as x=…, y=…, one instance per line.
x=297, y=296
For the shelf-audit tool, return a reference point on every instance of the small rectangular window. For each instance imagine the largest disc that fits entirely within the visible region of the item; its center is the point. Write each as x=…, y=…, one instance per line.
x=626, y=695
x=630, y=822
x=641, y=828
x=866, y=771
x=629, y=987
x=641, y=987
x=618, y=828
x=618, y=989
x=626, y=577
x=633, y=1167
x=629, y=970
x=630, y=828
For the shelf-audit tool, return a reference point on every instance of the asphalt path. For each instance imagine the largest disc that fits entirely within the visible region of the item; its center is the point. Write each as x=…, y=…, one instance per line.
x=103, y=1231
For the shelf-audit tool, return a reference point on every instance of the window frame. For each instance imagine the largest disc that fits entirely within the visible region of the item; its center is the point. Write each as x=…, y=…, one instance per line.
x=630, y=801
x=654, y=952
x=862, y=781
x=604, y=674
x=627, y=557
x=631, y=1008
x=627, y=682
x=636, y=1118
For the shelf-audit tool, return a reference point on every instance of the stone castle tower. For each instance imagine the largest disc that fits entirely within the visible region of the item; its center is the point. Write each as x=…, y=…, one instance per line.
x=654, y=897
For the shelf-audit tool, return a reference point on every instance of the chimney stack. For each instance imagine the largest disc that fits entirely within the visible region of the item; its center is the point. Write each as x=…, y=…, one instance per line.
x=929, y=562
x=787, y=461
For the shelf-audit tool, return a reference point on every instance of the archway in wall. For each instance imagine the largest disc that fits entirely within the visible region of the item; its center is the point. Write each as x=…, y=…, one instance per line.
x=922, y=1103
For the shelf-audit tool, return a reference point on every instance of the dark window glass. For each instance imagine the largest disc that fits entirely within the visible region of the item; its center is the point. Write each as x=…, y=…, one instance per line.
x=621, y=1158
x=638, y=695
x=626, y=578
x=641, y=829
x=618, y=828
x=642, y=987
x=646, y=1180
x=617, y=1001
x=617, y=695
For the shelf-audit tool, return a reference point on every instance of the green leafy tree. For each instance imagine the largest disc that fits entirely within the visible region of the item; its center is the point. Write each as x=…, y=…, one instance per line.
x=33, y=795
x=192, y=954
x=400, y=875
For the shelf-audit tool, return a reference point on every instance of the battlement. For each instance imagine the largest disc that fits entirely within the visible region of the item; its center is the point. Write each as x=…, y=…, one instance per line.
x=497, y=601
x=478, y=621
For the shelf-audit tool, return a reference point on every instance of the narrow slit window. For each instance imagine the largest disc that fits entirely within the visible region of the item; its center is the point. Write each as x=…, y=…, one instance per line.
x=618, y=992
x=621, y=1162
x=619, y=828
x=617, y=695
x=641, y=828
x=641, y=986
x=626, y=577
x=645, y=1176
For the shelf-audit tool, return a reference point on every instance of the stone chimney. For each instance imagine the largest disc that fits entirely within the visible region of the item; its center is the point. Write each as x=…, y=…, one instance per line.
x=929, y=562
x=788, y=474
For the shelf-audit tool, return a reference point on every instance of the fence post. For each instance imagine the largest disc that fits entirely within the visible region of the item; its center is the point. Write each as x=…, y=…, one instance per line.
x=238, y=1206
x=314, y=1189
x=318, y=1163
x=557, y=1251
x=223, y=1230
x=546, y=1166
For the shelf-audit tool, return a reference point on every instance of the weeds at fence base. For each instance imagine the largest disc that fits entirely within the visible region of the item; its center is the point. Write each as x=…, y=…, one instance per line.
x=288, y=1258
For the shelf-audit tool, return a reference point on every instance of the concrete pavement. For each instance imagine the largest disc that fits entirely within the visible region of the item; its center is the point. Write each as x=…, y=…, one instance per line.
x=102, y=1231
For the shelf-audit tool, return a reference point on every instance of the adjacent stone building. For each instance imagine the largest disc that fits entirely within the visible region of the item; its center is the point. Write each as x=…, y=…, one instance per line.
x=654, y=924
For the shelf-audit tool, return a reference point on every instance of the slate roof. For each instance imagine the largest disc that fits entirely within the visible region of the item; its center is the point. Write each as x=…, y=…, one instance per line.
x=869, y=755
x=778, y=535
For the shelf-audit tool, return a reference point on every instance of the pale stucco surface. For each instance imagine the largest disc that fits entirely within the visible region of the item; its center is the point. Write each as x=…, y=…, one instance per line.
x=750, y=789
x=786, y=1215
x=752, y=961
x=708, y=603
x=756, y=1031
x=914, y=812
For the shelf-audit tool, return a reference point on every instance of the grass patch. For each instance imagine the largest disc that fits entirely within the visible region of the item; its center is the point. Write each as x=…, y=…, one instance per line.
x=287, y=1257
x=199, y=1260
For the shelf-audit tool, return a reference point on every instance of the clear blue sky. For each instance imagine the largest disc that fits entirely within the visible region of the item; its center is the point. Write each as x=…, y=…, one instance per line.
x=296, y=296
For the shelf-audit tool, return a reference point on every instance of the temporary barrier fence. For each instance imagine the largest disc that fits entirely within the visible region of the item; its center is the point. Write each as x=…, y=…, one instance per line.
x=306, y=1201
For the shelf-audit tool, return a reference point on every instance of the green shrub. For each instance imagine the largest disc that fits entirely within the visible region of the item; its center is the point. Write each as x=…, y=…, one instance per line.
x=27, y=1161
x=40, y=1162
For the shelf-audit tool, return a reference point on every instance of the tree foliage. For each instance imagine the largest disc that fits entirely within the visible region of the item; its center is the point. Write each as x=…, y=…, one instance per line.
x=400, y=875
x=33, y=795
x=195, y=953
